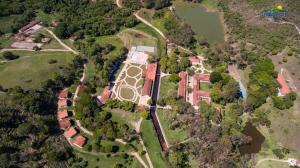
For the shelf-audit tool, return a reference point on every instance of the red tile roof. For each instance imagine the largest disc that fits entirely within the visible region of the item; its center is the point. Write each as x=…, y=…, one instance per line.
x=64, y=124
x=182, y=84
x=62, y=103
x=150, y=72
x=198, y=94
x=29, y=25
x=63, y=94
x=70, y=133
x=284, y=88
x=79, y=141
x=147, y=87
x=105, y=94
x=61, y=114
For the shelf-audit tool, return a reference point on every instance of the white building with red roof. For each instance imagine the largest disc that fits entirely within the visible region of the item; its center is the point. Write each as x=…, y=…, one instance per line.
x=105, y=95
x=284, y=88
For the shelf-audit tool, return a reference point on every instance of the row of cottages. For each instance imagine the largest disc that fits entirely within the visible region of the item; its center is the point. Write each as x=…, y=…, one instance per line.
x=65, y=122
x=284, y=88
x=149, y=73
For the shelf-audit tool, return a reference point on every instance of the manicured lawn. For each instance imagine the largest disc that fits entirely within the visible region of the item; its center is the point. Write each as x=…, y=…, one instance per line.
x=167, y=88
x=32, y=68
x=204, y=86
x=132, y=37
x=130, y=81
x=133, y=71
x=173, y=136
x=106, y=162
x=126, y=93
x=152, y=144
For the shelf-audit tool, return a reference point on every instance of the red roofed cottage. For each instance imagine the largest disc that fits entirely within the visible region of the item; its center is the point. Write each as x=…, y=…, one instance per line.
x=64, y=124
x=62, y=103
x=105, y=94
x=63, y=94
x=284, y=88
x=79, y=141
x=61, y=114
x=70, y=133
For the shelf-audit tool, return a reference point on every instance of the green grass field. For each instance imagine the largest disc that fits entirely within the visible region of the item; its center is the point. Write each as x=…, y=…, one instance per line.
x=173, y=136
x=152, y=144
x=6, y=40
x=131, y=37
x=102, y=161
x=167, y=88
x=161, y=43
x=204, y=86
x=53, y=44
x=32, y=68
x=115, y=41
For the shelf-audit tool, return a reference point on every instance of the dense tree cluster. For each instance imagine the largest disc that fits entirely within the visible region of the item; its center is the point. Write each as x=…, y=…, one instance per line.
x=105, y=66
x=96, y=19
x=176, y=62
x=224, y=88
x=28, y=124
x=284, y=102
x=262, y=83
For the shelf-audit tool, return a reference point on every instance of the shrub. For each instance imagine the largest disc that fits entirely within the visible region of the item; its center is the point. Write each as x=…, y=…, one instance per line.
x=9, y=55
x=52, y=61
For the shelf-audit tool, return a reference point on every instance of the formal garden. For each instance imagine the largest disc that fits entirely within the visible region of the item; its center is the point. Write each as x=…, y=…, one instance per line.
x=129, y=84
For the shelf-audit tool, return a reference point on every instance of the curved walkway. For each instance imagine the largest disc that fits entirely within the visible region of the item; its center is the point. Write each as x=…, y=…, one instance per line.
x=270, y=159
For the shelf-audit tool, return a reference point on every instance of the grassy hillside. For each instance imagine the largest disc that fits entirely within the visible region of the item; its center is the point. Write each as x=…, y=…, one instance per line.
x=32, y=68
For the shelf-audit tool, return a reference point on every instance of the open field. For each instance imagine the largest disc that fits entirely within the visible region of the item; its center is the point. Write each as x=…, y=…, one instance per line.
x=283, y=132
x=125, y=117
x=152, y=144
x=104, y=161
x=173, y=136
x=32, y=68
x=132, y=37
